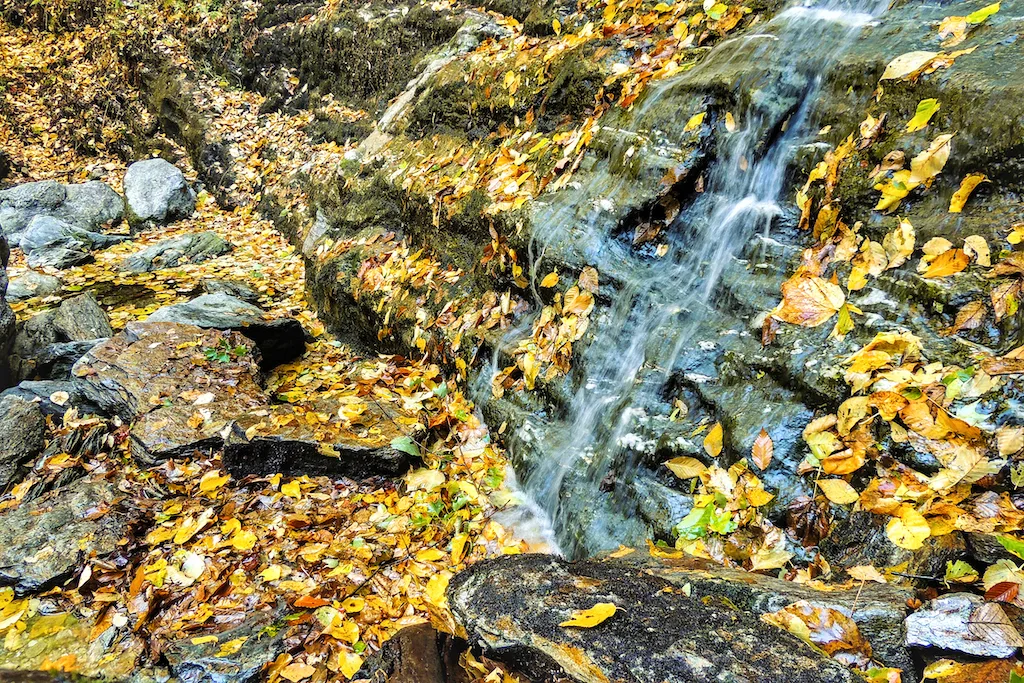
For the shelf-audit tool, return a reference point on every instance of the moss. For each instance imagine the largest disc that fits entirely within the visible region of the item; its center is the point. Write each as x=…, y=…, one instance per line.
x=356, y=60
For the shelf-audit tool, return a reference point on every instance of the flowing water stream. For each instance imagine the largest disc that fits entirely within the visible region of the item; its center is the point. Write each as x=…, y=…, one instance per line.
x=661, y=304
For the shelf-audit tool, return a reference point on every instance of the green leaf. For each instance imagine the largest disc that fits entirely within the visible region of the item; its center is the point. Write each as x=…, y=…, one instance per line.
x=1016, y=677
x=982, y=14
x=1012, y=544
x=695, y=524
x=925, y=111
x=406, y=445
x=960, y=572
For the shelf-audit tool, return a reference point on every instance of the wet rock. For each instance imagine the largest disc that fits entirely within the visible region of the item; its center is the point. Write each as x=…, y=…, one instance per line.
x=279, y=340
x=279, y=439
x=416, y=654
x=7, y=319
x=53, y=361
x=175, y=251
x=82, y=396
x=264, y=632
x=32, y=284
x=513, y=606
x=112, y=655
x=24, y=429
x=50, y=241
x=43, y=542
x=861, y=540
x=46, y=344
x=946, y=623
x=157, y=192
x=89, y=206
x=178, y=397
x=235, y=288
x=878, y=610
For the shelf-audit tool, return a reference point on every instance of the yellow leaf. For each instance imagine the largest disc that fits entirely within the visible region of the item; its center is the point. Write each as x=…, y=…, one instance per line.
x=909, y=530
x=926, y=109
x=350, y=664
x=297, y=671
x=458, y=547
x=550, y=280
x=929, y=163
x=231, y=647
x=967, y=185
x=353, y=605
x=976, y=247
x=557, y=25
x=590, y=618
x=271, y=573
x=436, y=588
x=695, y=121
x=809, y=300
x=430, y=555
x=243, y=540
x=292, y=489
x=838, y=491
x=713, y=441
x=866, y=573
x=347, y=631
x=685, y=467
x=947, y=263
x=730, y=122
x=212, y=481
x=203, y=640
x=906, y=64
x=899, y=244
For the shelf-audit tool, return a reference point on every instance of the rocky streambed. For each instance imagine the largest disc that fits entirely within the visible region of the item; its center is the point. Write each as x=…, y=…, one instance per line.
x=706, y=286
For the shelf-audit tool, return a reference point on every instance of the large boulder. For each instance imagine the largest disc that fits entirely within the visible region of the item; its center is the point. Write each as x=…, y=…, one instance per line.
x=178, y=385
x=24, y=430
x=176, y=251
x=157, y=192
x=279, y=340
x=53, y=242
x=42, y=542
x=46, y=344
x=7, y=319
x=89, y=206
x=513, y=608
x=281, y=439
x=32, y=284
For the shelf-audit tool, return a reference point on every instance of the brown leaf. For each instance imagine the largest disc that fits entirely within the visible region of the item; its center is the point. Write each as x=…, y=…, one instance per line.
x=762, y=451
x=809, y=300
x=969, y=317
x=1003, y=592
x=990, y=623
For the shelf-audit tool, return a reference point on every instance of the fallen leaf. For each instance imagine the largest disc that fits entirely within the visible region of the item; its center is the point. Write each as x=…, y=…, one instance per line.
x=685, y=467
x=297, y=671
x=967, y=185
x=762, y=450
x=909, y=530
x=838, y=491
x=926, y=109
x=947, y=263
x=590, y=618
x=809, y=300
x=976, y=247
x=550, y=280
x=713, y=440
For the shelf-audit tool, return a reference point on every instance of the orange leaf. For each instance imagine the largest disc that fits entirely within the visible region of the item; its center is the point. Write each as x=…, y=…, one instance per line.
x=311, y=602
x=949, y=262
x=763, y=450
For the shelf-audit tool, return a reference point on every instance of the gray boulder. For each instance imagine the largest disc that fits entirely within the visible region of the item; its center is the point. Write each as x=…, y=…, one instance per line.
x=157, y=192
x=46, y=344
x=82, y=395
x=176, y=251
x=51, y=241
x=278, y=340
x=43, y=542
x=89, y=206
x=32, y=284
x=24, y=428
x=7, y=319
x=514, y=607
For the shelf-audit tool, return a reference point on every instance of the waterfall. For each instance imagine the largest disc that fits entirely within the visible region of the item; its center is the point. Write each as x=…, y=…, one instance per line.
x=662, y=303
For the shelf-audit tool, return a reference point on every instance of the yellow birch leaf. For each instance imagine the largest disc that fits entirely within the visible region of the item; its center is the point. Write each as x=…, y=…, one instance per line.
x=838, y=491
x=713, y=441
x=550, y=280
x=906, y=64
x=589, y=618
x=244, y=540
x=297, y=671
x=967, y=185
x=212, y=481
x=899, y=244
x=930, y=162
x=351, y=663
x=909, y=530
x=292, y=490
x=458, y=546
x=694, y=123
x=685, y=467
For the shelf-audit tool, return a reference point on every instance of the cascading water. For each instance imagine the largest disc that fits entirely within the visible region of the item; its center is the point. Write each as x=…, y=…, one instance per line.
x=661, y=304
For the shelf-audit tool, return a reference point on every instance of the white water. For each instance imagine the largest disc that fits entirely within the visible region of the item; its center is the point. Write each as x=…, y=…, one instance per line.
x=662, y=303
